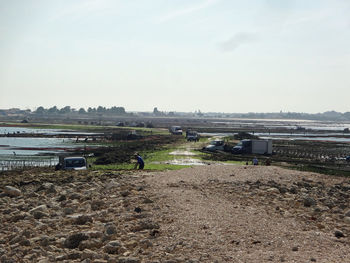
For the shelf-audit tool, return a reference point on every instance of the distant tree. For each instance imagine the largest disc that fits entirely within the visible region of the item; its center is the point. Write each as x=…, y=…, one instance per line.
x=53, y=110
x=347, y=115
x=81, y=111
x=65, y=110
x=91, y=110
x=40, y=110
x=117, y=110
x=101, y=109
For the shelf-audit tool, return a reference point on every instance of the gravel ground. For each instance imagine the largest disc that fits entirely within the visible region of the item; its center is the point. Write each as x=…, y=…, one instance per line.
x=251, y=214
x=209, y=213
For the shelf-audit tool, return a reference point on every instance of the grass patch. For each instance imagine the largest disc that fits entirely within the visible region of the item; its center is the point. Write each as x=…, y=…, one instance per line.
x=235, y=162
x=130, y=166
x=159, y=156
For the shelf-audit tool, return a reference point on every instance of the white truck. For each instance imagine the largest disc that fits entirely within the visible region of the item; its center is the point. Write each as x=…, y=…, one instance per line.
x=253, y=147
x=71, y=163
x=177, y=130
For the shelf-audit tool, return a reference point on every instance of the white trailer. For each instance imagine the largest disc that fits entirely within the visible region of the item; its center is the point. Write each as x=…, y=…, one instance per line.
x=262, y=146
x=253, y=147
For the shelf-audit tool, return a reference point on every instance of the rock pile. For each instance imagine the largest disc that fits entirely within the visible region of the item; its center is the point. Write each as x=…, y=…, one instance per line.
x=75, y=216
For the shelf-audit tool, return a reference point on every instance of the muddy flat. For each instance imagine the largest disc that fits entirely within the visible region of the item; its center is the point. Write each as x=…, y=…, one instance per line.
x=208, y=213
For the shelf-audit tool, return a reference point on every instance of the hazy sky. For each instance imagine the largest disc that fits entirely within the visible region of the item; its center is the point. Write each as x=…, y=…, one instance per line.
x=177, y=55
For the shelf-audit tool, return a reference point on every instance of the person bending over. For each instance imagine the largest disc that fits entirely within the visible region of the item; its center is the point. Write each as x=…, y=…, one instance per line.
x=140, y=163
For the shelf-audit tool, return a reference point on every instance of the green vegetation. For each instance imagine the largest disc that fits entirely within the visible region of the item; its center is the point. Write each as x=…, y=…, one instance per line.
x=159, y=156
x=148, y=167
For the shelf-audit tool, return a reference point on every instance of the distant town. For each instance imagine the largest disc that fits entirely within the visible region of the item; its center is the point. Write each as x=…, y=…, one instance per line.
x=100, y=111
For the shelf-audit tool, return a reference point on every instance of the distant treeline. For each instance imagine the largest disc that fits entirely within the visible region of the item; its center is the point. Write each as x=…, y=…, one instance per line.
x=68, y=110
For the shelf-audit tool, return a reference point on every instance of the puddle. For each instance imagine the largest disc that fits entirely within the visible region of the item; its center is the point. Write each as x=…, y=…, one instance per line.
x=184, y=153
x=184, y=161
x=187, y=161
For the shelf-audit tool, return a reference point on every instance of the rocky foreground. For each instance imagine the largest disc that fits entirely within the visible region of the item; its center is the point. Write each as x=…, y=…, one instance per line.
x=203, y=214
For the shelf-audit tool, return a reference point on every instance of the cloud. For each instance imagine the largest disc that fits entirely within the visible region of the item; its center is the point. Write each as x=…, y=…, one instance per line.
x=80, y=9
x=237, y=40
x=186, y=11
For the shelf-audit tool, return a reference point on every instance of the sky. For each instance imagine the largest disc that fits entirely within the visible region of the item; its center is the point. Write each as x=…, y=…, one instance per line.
x=176, y=55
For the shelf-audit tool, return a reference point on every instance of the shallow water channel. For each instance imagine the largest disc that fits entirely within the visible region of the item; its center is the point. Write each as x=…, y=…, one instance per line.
x=33, y=151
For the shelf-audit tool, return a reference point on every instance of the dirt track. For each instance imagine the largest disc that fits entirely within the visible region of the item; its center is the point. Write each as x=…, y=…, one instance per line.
x=247, y=214
x=210, y=213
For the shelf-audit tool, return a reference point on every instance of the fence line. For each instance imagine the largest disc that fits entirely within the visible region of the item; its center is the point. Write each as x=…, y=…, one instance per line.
x=22, y=163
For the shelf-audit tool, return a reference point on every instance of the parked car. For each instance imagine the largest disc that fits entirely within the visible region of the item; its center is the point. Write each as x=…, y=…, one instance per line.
x=72, y=163
x=216, y=145
x=192, y=136
x=177, y=130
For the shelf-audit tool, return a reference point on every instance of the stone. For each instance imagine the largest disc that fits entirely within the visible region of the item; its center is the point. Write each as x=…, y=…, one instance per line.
x=60, y=258
x=273, y=190
x=61, y=198
x=97, y=205
x=42, y=208
x=128, y=260
x=145, y=244
x=125, y=193
x=25, y=242
x=293, y=190
x=43, y=260
x=44, y=241
x=309, y=201
x=50, y=188
x=83, y=219
x=74, y=240
x=131, y=244
x=19, y=217
x=146, y=200
x=110, y=229
x=90, y=244
x=68, y=210
x=94, y=234
x=74, y=255
x=112, y=247
x=26, y=233
x=75, y=196
x=39, y=214
x=146, y=224
x=347, y=220
x=347, y=213
x=338, y=234
x=88, y=254
x=12, y=191
x=16, y=239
